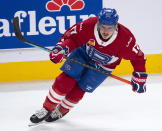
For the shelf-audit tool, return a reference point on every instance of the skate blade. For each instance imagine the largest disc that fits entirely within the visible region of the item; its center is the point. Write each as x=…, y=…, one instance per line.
x=35, y=124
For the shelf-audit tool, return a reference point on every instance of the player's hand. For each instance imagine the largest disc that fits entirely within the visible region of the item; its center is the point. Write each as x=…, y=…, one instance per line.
x=139, y=82
x=57, y=54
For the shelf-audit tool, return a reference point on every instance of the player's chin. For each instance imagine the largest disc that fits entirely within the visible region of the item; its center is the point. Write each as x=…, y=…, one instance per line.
x=105, y=37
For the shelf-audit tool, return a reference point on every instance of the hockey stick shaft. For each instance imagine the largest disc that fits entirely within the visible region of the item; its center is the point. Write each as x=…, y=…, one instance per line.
x=23, y=39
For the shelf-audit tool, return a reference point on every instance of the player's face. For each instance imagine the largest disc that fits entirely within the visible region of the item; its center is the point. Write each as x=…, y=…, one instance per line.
x=106, y=31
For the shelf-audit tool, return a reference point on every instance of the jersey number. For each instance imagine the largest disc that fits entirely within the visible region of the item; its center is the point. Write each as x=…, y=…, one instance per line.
x=136, y=48
x=73, y=30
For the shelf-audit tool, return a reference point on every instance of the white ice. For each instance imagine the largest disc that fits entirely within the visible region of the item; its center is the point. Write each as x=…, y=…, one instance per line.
x=112, y=107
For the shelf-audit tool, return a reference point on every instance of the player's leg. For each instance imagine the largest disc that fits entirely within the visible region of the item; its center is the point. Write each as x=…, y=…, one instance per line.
x=70, y=101
x=89, y=81
x=62, y=85
x=67, y=80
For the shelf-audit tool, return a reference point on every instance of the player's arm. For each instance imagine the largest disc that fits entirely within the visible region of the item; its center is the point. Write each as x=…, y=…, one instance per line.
x=72, y=39
x=138, y=60
x=139, y=75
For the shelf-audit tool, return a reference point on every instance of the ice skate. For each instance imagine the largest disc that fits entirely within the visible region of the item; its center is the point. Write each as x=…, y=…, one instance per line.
x=55, y=115
x=40, y=115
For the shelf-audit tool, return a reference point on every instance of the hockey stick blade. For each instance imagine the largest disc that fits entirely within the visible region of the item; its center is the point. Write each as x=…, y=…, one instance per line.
x=23, y=39
x=17, y=29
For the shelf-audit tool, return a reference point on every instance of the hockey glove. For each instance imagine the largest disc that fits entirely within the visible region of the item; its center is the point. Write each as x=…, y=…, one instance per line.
x=58, y=53
x=138, y=82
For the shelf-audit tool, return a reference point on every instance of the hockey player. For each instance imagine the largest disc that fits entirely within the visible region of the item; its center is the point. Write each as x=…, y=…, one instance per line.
x=100, y=42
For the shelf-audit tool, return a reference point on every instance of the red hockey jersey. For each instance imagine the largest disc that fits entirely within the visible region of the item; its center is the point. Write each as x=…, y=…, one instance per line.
x=122, y=45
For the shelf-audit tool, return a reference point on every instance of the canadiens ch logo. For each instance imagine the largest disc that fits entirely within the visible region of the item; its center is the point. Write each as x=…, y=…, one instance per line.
x=56, y=5
x=91, y=42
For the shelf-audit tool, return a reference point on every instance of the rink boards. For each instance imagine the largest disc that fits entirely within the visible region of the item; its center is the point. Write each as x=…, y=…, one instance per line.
x=42, y=70
x=19, y=63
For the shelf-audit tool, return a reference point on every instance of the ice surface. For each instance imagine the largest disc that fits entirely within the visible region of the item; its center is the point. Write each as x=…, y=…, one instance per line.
x=112, y=107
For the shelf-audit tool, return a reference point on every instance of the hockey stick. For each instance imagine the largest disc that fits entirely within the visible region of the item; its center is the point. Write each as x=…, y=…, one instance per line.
x=23, y=39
